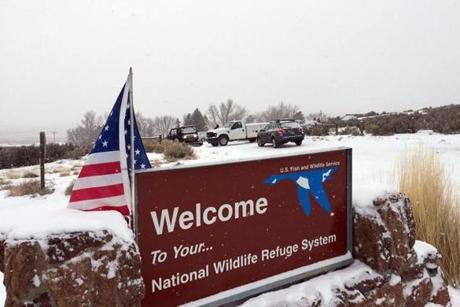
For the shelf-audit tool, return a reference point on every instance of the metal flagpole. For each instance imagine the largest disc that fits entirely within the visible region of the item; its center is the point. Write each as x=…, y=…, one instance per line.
x=132, y=151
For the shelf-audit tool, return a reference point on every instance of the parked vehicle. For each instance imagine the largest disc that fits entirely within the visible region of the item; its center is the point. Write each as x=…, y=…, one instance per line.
x=202, y=136
x=236, y=130
x=186, y=134
x=280, y=132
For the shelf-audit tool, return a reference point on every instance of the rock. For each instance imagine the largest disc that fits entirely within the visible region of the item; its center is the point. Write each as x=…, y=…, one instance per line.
x=441, y=296
x=372, y=290
x=100, y=269
x=384, y=234
x=76, y=269
x=418, y=292
x=23, y=265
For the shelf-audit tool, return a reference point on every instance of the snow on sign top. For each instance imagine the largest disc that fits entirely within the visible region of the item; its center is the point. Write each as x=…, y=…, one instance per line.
x=30, y=221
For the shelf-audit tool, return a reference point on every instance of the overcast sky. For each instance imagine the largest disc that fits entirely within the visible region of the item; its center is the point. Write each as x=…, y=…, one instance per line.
x=60, y=58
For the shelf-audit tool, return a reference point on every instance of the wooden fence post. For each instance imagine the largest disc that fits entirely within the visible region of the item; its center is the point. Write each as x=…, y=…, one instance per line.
x=42, y=159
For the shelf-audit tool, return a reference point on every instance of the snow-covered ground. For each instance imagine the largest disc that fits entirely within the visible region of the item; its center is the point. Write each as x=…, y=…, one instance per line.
x=374, y=161
x=374, y=158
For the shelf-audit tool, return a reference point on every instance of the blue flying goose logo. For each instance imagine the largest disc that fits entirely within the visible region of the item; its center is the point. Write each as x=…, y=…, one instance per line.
x=307, y=182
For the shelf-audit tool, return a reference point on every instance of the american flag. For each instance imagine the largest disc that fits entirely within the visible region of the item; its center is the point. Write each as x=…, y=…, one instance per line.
x=104, y=180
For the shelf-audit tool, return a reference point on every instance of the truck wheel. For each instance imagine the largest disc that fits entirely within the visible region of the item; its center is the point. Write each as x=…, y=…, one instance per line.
x=298, y=143
x=260, y=142
x=223, y=140
x=215, y=144
x=275, y=143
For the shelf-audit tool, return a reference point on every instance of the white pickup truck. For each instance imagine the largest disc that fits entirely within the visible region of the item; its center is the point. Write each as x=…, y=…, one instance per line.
x=235, y=130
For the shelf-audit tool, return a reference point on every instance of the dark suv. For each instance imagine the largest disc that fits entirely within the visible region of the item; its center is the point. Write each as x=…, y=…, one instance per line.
x=280, y=132
x=187, y=134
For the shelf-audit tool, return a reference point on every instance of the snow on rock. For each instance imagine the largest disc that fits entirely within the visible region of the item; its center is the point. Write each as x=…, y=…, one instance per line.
x=365, y=194
x=321, y=290
x=31, y=221
x=91, y=268
x=357, y=285
x=384, y=232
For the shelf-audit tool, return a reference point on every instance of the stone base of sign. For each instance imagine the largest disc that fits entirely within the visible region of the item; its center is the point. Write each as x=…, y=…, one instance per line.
x=384, y=239
x=76, y=269
x=97, y=269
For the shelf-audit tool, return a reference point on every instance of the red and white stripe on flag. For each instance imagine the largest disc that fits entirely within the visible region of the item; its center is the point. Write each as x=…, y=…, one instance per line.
x=103, y=183
x=100, y=184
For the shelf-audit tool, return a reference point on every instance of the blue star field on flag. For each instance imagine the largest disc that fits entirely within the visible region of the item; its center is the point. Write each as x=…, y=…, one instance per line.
x=108, y=139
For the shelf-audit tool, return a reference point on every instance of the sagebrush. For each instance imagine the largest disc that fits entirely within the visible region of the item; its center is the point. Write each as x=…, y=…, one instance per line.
x=28, y=187
x=172, y=150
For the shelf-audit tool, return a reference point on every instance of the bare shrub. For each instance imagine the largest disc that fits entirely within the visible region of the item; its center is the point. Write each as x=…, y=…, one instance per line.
x=29, y=187
x=5, y=184
x=5, y=187
x=76, y=168
x=436, y=203
x=13, y=175
x=172, y=150
x=153, y=146
x=155, y=163
x=176, y=150
x=64, y=173
x=29, y=174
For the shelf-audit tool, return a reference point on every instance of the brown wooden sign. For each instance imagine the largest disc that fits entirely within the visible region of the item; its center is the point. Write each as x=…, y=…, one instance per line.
x=212, y=234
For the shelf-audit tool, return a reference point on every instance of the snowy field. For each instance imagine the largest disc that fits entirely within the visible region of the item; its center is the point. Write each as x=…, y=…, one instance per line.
x=374, y=161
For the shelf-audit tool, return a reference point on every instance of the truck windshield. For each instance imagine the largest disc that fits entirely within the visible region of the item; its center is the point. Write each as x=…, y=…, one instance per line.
x=229, y=124
x=187, y=130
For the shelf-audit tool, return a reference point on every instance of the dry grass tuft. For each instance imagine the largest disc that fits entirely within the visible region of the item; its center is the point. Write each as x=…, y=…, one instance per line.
x=155, y=163
x=64, y=173
x=76, y=168
x=13, y=175
x=5, y=184
x=29, y=187
x=29, y=174
x=155, y=146
x=152, y=146
x=436, y=205
x=172, y=151
x=4, y=181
